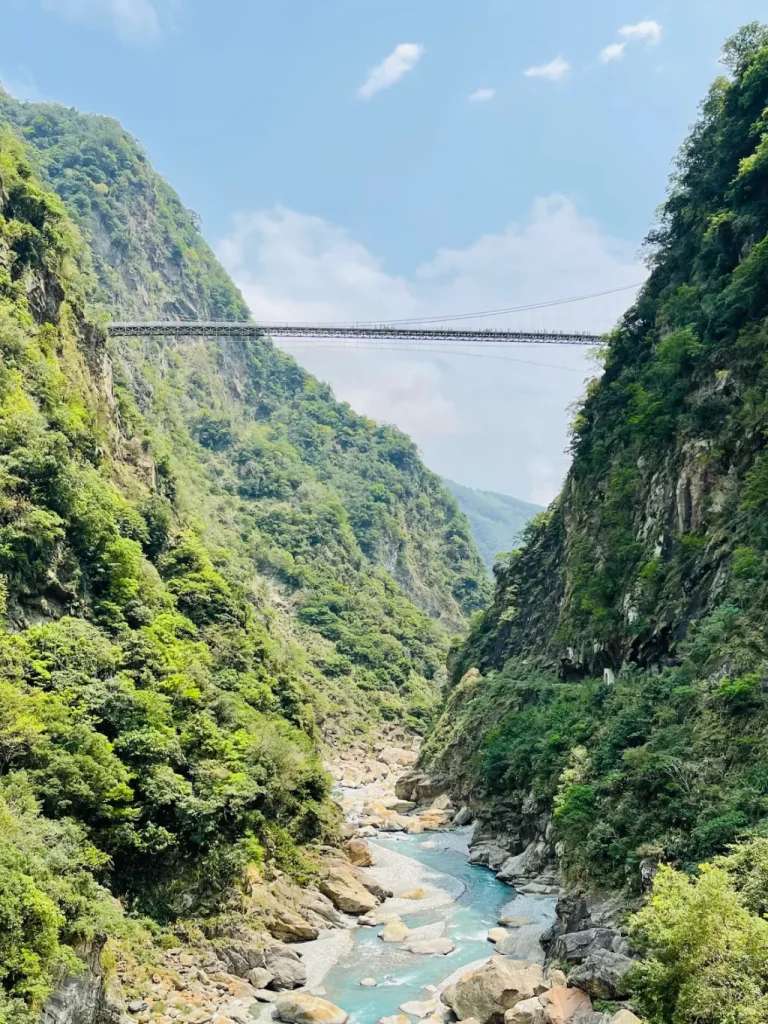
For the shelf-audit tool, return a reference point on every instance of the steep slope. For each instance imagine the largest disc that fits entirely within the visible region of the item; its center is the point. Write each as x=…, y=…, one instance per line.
x=352, y=542
x=497, y=520
x=652, y=566
x=203, y=556
x=153, y=735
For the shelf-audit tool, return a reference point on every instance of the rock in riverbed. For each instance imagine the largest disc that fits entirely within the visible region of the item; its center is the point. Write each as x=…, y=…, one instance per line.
x=303, y=1008
x=434, y=947
x=488, y=991
x=346, y=892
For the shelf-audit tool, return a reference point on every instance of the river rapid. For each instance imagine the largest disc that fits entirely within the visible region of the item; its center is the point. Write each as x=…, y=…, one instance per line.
x=463, y=902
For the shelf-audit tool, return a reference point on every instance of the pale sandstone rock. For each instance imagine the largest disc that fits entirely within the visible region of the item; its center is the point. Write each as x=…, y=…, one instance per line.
x=394, y=931
x=434, y=947
x=562, y=1004
x=625, y=1017
x=414, y=894
x=359, y=853
x=420, y=1007
x=346, y=892
x=497, y=934
x=396, y=1018
x=304, y=1008
x=260, y=977
x=529, y=1011
x=368, y=982
x=496, y=986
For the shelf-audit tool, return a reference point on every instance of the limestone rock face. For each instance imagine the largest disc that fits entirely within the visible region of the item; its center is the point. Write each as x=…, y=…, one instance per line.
x=82, y=998
x=577, y=946
x=347, y=893
x=488, y=991
x=359, y=853
x=303, y=1008
x=602, y=974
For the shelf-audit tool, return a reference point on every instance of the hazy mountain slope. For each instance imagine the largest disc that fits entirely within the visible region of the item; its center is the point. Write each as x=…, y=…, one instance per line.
x=497, y=520
x=653, y=563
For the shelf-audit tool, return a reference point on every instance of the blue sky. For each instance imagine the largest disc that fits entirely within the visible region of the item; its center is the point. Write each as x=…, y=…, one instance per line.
x=500, y=155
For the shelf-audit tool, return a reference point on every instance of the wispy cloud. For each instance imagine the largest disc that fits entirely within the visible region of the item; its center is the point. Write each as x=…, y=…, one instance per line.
x=481, y=95
x=614, y=51
x=554, y=71
x=133, y=20
x=294, y=266
x=644, y=31
x=403, y=59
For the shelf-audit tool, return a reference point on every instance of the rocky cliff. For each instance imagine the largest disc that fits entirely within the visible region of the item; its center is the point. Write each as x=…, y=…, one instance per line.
x=617, y=679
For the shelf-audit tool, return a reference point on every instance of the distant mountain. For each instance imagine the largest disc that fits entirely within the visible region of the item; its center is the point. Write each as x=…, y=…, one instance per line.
x=497, y=520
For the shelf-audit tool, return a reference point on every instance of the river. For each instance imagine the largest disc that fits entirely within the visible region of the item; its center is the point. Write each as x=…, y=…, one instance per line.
x=471, y=901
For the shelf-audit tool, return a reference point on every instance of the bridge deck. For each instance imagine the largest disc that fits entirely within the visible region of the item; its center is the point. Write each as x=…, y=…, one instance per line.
x=246, y=328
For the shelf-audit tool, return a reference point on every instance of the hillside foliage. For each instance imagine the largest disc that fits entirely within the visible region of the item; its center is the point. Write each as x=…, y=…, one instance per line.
x=618, y=680
x=207, y=566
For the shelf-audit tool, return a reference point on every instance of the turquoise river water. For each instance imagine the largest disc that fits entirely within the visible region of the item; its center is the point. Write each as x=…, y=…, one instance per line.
x=477, y=901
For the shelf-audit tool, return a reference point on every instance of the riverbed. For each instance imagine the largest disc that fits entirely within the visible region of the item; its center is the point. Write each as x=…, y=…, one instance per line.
x=463, y=901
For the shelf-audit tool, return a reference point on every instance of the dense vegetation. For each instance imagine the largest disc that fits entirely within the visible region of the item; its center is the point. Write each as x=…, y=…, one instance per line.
x=497, y=520
x=203, y=558
x=622, y=665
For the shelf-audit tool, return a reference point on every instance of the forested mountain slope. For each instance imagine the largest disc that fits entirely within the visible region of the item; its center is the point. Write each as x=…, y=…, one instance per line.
x=203, y=556
x=357, y=543
x=652, y=565
x=610, y=709
x=497, y=520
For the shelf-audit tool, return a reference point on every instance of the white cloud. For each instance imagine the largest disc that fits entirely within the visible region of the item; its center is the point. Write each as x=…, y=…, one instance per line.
x=134, y=20
x=644, y=31
x=295, y=266
x=481, y=95
x=614, y=51
x=495, y=419
x=403, y=59
x=554, y=71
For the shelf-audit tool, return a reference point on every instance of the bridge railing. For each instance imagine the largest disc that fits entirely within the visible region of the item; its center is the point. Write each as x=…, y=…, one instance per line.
x=246, y=328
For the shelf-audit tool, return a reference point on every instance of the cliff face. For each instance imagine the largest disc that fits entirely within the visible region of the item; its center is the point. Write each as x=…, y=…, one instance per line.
x=621, y=661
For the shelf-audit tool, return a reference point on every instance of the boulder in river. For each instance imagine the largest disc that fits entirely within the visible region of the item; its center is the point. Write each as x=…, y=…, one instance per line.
x=488, y=991
x=394, y=930
x=396, y=1018
x=497, y=934
x=440, y=946
x=347, y=893
x=304, y=1008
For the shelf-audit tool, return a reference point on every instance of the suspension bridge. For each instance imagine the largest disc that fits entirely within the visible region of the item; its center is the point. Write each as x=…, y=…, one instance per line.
x=359, y=332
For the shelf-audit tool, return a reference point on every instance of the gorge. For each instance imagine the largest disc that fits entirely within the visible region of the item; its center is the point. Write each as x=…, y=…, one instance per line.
x=248, y=644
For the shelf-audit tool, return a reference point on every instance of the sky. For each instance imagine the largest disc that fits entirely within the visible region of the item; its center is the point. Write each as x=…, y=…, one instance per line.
x=382, y=159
